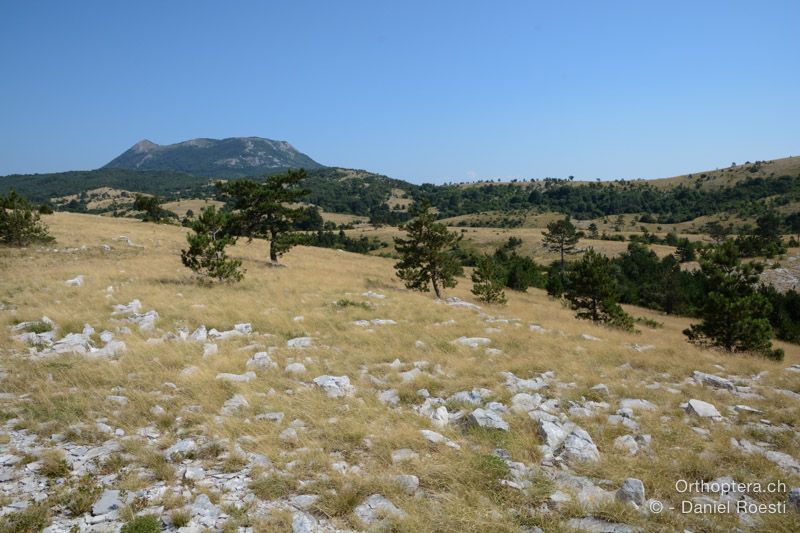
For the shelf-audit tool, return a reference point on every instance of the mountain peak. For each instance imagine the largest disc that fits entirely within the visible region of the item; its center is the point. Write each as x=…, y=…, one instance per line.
x=231, y=157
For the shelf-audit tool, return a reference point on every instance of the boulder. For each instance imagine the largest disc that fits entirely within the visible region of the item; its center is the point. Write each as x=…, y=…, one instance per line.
x=109, y=501
x=701, y=409
x=485, y=418
x=551, y=432
x=376, y=507
x=713, y=381
x=295, y=368
x=579, y=446
x=75, y=282
x=335, y=386
x=437, y=438
x=237, y=378
x=300, y=342
x=473, y=342
x=261, y=360
x=631, y=491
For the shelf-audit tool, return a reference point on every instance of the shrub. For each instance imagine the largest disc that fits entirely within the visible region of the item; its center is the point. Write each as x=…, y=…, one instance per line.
x=149, y=523
x=206, y=254
x=20, y=224
x=488, y=280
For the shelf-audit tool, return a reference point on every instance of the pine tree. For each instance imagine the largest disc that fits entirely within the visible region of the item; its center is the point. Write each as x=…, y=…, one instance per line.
x=592, y=291
x=206, y=254
x=264, y=209
x=560, y=237
x=734, y=316
x=427, y=254
x=20, y=223
x=488, y=280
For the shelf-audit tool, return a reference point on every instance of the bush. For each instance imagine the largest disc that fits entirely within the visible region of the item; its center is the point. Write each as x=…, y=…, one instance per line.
x=35, y=517
x=734, y=316
x=592, y=291
x=20, y=224
x=488, y=281
x=206, y=254
x=149, y=523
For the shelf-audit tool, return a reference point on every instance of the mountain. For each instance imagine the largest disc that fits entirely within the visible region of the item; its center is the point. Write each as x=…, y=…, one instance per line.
x=220, y=158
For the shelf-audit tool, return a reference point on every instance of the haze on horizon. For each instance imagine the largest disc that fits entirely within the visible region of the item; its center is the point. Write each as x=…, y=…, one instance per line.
x=446, y=92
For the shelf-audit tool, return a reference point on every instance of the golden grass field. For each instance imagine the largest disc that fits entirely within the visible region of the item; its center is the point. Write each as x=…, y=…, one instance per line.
x=459, y=489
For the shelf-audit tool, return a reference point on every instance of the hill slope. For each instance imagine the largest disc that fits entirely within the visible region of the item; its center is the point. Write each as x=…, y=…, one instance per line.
x=177, y=430
x=224, y=158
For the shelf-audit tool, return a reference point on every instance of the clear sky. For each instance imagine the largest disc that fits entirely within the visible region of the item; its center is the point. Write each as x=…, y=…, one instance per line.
x=424, y=91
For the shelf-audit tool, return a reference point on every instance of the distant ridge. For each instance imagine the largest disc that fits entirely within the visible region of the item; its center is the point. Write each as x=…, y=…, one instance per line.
x=225, y=158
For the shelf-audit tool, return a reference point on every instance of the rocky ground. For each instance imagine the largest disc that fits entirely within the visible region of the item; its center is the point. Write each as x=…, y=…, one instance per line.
x=353, y=405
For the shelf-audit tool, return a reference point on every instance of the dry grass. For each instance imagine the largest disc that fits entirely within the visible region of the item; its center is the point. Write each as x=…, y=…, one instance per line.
x=462, y=487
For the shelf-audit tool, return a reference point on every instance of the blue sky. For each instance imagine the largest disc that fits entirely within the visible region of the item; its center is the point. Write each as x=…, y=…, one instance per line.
x=425, y=91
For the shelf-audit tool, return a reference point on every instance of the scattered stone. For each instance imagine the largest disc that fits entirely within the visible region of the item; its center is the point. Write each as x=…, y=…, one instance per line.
x=261, y=360
x=551, y=432
x=375, y=508
x=295, y=368
x=408, y=482
x=631, y=491
x=109, y=501
x=587, y=337
x=210, y=349
x=702, y=409
x=437, y=438
x=713, y=381
x=601, y=389
x=579, y=446
x=523, y=402
x=627, y=443
x=335, y=386
x=637, y=405
x=194, y=473
x=234, y=404
x=404, y=454
x=487, y=419
x=180, y=449
x=300, y=342
x=390, y=397
x=75, y=282
x=794, y=498
x=237, y=378
x=473, y=342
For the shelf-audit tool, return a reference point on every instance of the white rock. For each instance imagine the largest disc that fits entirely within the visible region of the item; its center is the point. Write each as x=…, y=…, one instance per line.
x=627, y=443
x=237, y=378
x=335, y=386
x=579, y=446
x=404, y=454
x=437, y=438
x=631, y=491
x=210, y=349
x=295, y=368
x=473, y=342
x=181, y=448
x=75, y=282
x=375, y=508
x=389, y=396
x=702, y=409
x=487, y=419
x=408, y=482
x=261, y=360
x=194, y=473
x=300, y=342
x=236, y=402
x=109, y=501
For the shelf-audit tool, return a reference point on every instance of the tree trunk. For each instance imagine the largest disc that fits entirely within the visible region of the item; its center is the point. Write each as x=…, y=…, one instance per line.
x=436, y=288
x=273, y=252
